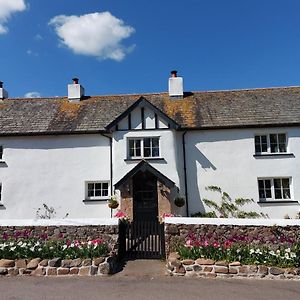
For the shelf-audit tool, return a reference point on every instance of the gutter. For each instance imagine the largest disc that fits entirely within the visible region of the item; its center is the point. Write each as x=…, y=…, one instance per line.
x=185, y=175
x=111, y=163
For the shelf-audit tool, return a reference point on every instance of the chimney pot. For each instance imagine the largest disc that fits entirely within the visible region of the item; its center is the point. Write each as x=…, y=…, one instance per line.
x=75, y=80
x=173, y=73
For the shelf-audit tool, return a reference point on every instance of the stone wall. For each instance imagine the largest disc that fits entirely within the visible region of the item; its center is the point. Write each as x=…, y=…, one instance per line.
x=177, y=233
x=56, y=266
x=209, y=268
x=108, y=233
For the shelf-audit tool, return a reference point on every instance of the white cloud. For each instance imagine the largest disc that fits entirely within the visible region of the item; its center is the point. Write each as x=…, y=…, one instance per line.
x=7, y=8
x=32, y=95
x=97, y=34
x=30, y=52
x=38, y=37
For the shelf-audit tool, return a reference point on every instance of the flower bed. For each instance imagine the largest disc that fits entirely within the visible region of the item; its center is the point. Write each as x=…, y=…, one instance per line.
x=210, y=255
x=22, y=253
x=282, y=251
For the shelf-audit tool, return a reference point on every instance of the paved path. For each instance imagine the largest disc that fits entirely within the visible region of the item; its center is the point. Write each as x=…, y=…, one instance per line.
x=145, y=280
x=143, y=288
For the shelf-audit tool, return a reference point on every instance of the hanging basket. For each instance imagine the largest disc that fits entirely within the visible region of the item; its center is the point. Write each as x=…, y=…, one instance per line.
x=179, y=201
x=113, y=204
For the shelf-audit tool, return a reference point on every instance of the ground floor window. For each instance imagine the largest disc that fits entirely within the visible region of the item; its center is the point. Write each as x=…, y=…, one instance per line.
x=97, y=190
x=274, y=188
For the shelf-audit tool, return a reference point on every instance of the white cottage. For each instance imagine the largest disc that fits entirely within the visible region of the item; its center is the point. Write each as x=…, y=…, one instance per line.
x=72, y=153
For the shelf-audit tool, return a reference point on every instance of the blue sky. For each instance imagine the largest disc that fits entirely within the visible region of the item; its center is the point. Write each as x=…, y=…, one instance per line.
x=118, y=46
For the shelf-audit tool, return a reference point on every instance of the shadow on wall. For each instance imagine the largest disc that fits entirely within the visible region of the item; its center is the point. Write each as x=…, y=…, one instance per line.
x=195, y=158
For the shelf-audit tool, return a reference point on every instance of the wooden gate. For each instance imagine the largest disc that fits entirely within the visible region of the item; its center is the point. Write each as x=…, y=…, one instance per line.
x=143, y=239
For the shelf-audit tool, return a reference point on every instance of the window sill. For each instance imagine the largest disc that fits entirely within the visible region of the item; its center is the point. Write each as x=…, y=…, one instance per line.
x=274, y=155
x=278, y=202
x=144, y=158
x=95, y=200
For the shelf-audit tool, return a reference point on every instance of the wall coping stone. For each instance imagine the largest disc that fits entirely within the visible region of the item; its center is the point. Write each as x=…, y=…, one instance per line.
x=59, y=222
x=232, y=221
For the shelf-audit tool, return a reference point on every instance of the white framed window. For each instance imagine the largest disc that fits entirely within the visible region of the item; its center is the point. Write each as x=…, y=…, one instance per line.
x=274, y=188
x=270, y=143
x=97, y=190
x=143, y=147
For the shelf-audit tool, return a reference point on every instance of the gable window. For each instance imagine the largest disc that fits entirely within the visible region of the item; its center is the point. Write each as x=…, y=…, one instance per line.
x=271, y=143
x=143, y=147
x=274, y=189
x=97, y=190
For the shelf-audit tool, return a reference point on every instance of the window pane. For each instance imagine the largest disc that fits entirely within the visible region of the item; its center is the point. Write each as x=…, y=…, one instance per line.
x=267, y=183
x=257, y=139
x=155, y=142
x=268, y=193
x=131, y=144
x=285, y=183
x=147, y=152
x=277, y=183
x=274, y=148
x=281, y=138
x=137, y=152
x=286, y=194
x=264, y=139
x=155, y=152
x=257, y=148
x=105, y=193
x=261, y=184
x=90, y=193
x=264, y=147
x=282, y=148
x=105, y=185
x=97, y=193
x=273, y=138
x=1, y=152
x=98, y=186
x=262, y=194
x=278, y=194
x=147, y=142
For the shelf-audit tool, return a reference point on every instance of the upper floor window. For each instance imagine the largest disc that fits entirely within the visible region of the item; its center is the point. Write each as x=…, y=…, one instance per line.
x=1, y=152
x=143, y=147
x=274, y=189
x=271, y=143
x=97, y=190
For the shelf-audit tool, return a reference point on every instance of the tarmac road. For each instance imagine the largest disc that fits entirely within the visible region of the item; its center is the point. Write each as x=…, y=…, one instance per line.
x=145, y=288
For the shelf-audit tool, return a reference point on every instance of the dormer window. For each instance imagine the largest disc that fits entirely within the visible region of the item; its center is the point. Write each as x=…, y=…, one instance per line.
x=146, y=147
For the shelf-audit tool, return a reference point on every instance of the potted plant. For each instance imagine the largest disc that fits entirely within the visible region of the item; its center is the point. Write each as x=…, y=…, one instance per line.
x=113, y=203
x=179, y=201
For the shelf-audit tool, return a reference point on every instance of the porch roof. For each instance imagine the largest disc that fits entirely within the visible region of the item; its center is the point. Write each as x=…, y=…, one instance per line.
x=144, y=166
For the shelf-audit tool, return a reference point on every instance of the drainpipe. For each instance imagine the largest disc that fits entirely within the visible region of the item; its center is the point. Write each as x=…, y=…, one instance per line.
x=185, y=175
x=111, y=166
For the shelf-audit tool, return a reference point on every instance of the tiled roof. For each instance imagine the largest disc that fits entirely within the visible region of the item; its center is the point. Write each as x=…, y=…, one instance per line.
x=220, y=109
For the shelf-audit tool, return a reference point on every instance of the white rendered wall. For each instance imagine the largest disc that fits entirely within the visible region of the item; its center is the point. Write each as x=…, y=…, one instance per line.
x=170, y=150
x=53, y=170
x=224, y=158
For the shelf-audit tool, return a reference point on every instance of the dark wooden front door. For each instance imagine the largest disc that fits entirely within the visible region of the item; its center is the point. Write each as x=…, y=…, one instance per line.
x=144, y=236
x=145, y=206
